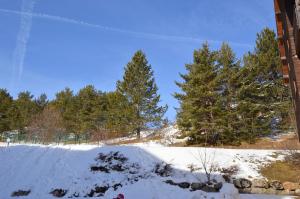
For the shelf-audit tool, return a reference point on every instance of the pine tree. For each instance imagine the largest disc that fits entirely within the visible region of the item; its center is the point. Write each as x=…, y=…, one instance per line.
x=139, y=88
x=228, y=79
x=22, y=111
x=200, y=110
x=66, y=103
x=5, y=103
x=89, y=108
x=119, y=113
x=41, y=102
x=262, y=96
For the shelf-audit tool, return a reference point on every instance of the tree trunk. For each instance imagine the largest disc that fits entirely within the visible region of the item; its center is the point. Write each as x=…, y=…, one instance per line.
x=138, y=133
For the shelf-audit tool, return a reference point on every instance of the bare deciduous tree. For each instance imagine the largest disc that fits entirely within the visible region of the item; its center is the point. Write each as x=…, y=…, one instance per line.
x=207, y=161
x=47, y=126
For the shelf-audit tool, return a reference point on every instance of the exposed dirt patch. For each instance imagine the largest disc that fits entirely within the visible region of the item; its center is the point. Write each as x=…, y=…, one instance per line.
x=282, y=171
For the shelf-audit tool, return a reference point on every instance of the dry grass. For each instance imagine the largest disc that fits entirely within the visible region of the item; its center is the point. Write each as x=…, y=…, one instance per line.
x=282, y=171
x=286, y=142
x=134, y=141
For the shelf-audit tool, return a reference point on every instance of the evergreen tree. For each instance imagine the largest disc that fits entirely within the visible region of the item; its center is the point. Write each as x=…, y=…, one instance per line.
x=89, y=108
x=41, y=102
x=22, y=111
x=5, y=103
x=263, y=100
x=200, y=109
x=228, y=79
x=139, y=88
x=119, y=113
x=66, y=103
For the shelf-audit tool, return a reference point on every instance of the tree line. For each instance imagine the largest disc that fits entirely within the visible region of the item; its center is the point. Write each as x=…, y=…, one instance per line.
x=132, y=107
x=223, y=100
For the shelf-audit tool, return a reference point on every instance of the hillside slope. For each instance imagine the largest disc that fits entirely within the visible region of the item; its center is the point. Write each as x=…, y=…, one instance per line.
x=82, y=170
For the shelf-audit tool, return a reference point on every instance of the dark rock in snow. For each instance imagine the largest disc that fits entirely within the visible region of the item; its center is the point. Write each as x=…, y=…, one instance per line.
x=197, y=186
x=170, y=182
x=242, y=183
x=101, y=189
x=100, y=168
x=20, y=193
x=58, y=193
x=212, y=187
x=116, y=186
x=184, y=185
x=163, y=169
x=117, y=167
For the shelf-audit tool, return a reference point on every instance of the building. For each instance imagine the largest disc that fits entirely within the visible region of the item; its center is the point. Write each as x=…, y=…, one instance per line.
x=287, y=14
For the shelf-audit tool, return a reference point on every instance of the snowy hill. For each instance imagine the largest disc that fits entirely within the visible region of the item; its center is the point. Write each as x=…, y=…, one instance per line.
x=87, y=170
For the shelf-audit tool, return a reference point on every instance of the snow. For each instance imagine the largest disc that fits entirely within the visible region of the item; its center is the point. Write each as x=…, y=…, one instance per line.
x=43, y=168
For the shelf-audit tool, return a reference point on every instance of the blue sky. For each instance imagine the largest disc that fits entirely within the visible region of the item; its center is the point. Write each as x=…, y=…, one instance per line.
x=47, y=45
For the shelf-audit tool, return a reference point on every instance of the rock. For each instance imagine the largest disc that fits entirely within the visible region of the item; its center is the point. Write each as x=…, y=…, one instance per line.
x=260, y=183
x=58, y=193
x=290, y=186
x=20, y=193
x=163, y=169
x=170, y=182
x=116, y=186
x=277, y=185
x=197, y=186
x=212, y=187
x=101, y=189
x=242, y=183
x=297, y=192
x=184, y=185
x=117, y=167
x=100, y=168
x=91, y=194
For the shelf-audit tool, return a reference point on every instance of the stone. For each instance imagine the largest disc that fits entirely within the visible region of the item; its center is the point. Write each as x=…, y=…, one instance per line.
x=242, y=183
x=212, y=187
x=218, y=186
x=100, y=168
x=277, y=185
x=291, y=186
x=260, y=183
x=58, y=193
x=170, y=182
x=20, y=193
x=116, y=186
x=297, y=192
x=197, y=186
x=117, y=167
x=101, y=189
x=184, y=185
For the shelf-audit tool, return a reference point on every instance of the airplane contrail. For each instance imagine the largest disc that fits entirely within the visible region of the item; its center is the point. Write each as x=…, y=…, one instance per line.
x=22, y=39
x=107, y=28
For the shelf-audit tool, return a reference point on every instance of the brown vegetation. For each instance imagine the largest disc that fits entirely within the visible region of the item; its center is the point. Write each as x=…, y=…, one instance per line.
x=46, y=126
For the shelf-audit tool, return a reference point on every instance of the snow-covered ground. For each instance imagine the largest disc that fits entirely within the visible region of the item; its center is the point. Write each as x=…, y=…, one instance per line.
x=43, y=168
